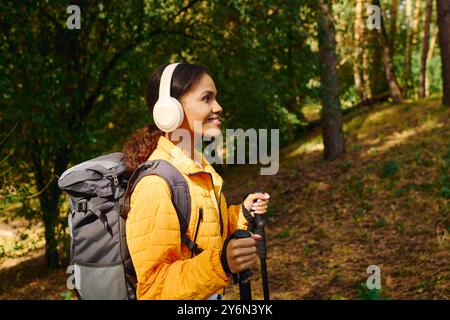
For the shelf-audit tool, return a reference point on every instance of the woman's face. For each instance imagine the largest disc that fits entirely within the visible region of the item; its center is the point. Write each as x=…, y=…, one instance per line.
x=200, y=105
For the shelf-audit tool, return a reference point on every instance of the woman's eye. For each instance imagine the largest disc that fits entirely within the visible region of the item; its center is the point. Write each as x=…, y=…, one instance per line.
x=206, y=98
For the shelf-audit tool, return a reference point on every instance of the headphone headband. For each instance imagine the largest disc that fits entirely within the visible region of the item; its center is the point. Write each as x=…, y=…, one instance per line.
x=166, y=79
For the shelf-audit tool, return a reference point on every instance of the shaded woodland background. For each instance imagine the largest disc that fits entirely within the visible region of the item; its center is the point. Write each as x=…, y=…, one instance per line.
x=363, y=116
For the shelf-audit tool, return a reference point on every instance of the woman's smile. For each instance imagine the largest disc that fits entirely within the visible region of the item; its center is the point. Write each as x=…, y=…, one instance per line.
x=214, y=120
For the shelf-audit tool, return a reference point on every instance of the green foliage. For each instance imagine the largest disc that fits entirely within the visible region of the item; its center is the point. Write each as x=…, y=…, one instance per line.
x=306, y=249
x=270, y=212
x=319, y=233
x=67, y=295
x=358, y=189
x=284, y=234
x=365, y=293
x=445, y=175
x=355, y=147
x=380, y=223
x=426, y=187
x=356, y=186
x=389, y=168
x=399, y=226
x=446, y=187
x=28, y=240
x=346, y=165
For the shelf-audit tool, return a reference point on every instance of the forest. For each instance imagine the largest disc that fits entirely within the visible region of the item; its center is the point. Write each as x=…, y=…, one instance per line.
x=359, y=91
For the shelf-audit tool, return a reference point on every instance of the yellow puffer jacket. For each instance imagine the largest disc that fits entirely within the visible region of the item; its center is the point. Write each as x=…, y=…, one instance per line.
x=164, y=267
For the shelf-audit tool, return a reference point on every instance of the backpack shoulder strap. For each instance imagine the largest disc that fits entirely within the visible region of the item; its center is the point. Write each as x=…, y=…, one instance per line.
x=179, y=190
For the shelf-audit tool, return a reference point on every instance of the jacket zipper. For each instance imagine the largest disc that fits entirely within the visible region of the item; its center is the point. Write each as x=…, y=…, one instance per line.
x=199, y=220
x=217, y=201
x=218, y=204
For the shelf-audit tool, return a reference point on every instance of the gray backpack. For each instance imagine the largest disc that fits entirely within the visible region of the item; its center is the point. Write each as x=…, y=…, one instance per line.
x=99, y=199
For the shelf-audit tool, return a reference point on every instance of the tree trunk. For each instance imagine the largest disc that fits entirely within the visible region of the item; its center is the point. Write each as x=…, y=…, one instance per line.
x=443, y=7
x=358, y=50
x=429, y=57
x=391, y=79
x=49, y=193
x=366, y=78
x=407, y=65
x=393, y=26
x=333, y=137
x=289, y=101
x=50, y=211
x=365, y=72
x=415, y=27
x=423, y=62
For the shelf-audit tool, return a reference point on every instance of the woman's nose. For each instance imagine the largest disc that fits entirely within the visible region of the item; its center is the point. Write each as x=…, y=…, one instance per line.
x=217, y=108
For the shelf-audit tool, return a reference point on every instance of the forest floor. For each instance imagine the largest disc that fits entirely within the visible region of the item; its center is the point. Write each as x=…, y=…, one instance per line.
x=385, y=202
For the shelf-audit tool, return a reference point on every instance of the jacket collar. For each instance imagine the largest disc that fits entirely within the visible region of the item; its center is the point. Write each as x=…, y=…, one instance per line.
x=185, y=164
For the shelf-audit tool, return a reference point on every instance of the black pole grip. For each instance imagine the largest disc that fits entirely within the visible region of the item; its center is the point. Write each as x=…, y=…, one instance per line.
x=260, y=222
x=245, y=289
x=239, y=234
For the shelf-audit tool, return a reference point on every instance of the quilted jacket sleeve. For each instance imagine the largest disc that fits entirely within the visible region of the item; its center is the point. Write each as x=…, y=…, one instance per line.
x=153, y=238
x=236, y=219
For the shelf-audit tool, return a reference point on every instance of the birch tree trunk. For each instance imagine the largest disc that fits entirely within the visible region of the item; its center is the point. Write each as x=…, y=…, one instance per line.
x=407, y=66
x=358, y=50
x=429, y=56
x=423, y=62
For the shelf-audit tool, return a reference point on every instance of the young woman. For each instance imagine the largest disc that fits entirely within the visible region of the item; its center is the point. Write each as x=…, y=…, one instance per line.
x=165, y=268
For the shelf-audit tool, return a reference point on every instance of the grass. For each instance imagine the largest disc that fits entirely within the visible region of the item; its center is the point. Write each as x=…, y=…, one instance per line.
x=445, y=175
x=370, y=294
x=389, y=168
x=285, y=233
x=21, y=239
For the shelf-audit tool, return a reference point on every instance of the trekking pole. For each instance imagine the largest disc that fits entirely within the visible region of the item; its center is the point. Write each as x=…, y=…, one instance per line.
x=243, y=277
x=260, y=222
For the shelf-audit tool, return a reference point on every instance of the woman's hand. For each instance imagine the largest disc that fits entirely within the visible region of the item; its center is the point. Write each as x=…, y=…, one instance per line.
x=242, y=253
x=260, y=205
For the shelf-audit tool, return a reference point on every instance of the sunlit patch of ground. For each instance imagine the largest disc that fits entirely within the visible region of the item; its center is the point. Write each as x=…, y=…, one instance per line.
x=310, y=146
x=18, y=238
x=311, y=111
x=23, y=272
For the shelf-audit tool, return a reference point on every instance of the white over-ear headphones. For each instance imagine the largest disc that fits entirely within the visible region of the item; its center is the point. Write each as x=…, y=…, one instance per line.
x=167, y=113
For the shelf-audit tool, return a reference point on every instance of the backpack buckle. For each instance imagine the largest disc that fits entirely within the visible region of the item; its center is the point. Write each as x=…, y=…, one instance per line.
x=82, y=207
x=191, y=244
x=195, y=248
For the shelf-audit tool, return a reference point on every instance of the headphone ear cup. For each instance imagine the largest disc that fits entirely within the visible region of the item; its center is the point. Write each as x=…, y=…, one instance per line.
x=179, y=118
x=168, y=114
